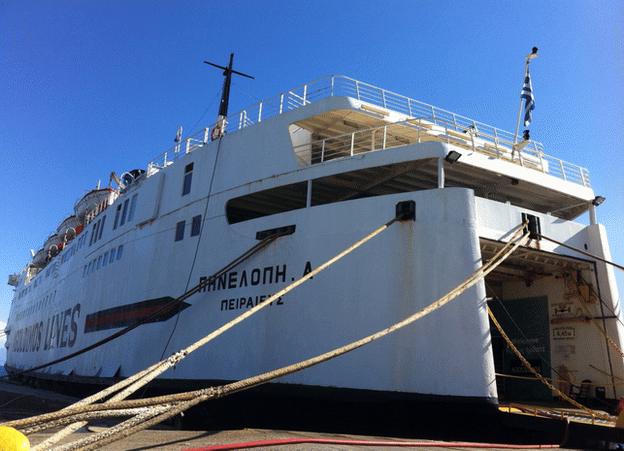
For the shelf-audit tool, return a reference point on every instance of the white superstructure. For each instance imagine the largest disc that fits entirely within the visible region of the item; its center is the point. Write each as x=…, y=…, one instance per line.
x=331, y=158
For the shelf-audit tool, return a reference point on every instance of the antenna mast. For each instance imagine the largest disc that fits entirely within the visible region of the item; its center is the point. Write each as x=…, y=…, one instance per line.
x=219, y=129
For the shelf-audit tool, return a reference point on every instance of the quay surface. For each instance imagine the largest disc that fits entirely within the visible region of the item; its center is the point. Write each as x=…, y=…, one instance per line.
x=19, y=401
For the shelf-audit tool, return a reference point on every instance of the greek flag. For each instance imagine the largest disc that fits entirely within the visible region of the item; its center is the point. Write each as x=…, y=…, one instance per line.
x=527, y=96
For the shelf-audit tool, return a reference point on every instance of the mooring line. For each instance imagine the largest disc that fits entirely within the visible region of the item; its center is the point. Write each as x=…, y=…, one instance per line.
x=541, y=378
x=161, y=367
x=129, y=385
x=133, y=425
x=581, y=251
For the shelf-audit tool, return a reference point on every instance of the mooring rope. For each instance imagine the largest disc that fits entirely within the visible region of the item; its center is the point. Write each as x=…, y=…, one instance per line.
x=169, y=305
x=161, y=367
x=541, y=378
x=154, y=370
x=77, y=407
x=581, y=251
x=97, y=414
x=589, y=314
x=72, y=410
x=134, y=425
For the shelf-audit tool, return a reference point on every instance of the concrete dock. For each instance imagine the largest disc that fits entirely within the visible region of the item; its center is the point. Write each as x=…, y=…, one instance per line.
x=18, y=401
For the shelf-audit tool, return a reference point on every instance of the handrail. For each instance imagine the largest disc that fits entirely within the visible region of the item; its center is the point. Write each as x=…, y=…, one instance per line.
x=491, y=140
x=416, y=130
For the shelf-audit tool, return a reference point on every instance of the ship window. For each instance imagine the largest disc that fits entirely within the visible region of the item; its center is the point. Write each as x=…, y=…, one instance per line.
x=93, y=233
x=99, y=262
x=267, y=202
x=179, y=233
x=117, y=214
x=196, y=225
x=188, y=178
x=101, y=226
x=112, y=255
x=105, y=259
x=119, y=251
x=124, y=213
x=133, y=202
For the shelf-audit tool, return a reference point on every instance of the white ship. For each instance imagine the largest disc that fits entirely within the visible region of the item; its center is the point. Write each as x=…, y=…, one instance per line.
x=324, y=164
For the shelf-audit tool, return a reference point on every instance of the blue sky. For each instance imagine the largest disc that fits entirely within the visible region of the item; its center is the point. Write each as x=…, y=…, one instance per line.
x=90, y=87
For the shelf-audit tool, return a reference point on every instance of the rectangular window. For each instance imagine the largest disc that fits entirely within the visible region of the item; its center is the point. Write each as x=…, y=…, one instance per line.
x=90, y=267
x=196, y=225
x=117, y=214
x=124, y=213
x=133, y=202
x=267, y=202
x=93, y=233
x=112, y=255
x=101, y=226
x=99, y=263
x=119, y=251
x=105, y=259
x=179, y=233
x=188, y=178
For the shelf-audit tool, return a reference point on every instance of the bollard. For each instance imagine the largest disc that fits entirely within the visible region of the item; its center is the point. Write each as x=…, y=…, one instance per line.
x=13, y=440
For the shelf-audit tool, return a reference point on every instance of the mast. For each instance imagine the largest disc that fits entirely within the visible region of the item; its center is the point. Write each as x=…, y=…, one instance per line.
x=219, y=129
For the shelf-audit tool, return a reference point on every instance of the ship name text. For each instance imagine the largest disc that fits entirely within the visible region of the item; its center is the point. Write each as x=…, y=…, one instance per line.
x=253, y=277
x=58, y=331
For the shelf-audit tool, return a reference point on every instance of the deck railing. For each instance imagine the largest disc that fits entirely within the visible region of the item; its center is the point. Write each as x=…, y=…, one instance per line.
x=432, y=121
x=423, y=129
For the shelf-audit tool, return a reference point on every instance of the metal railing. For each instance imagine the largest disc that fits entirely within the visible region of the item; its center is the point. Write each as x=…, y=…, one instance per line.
x=432, y=122
x=424, y=129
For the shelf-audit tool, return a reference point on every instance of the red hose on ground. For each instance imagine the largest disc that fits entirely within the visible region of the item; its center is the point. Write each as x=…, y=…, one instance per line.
x=329, y=441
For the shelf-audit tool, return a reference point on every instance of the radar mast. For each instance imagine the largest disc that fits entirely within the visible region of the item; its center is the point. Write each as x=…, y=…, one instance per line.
x=219, y=129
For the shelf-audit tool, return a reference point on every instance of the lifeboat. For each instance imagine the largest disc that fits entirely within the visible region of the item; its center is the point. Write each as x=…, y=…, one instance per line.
x=94, y=201
x=53, y=240
x=39, y=259
x=67, y=230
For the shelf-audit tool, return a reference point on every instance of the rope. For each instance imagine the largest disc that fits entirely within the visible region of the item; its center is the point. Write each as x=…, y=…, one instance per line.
x=257, y=247
x=130, y=427
x=580, y=251
x=527, y=378
x=199, y=239
x=71, y=410
x=620, y=380
x=542, y=379
x=532, y=348
x=162, y=366
x=211, y=392
x=133, y=383
x=603, y=330
x=86, y=416
x=138, y=419
x=604, y=333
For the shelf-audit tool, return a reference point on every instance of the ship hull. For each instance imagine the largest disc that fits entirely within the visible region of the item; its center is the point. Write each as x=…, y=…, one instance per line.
x=446, y=354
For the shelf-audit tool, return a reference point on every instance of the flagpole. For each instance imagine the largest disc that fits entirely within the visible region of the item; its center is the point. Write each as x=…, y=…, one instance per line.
x=527, y=61
x=526, y=69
